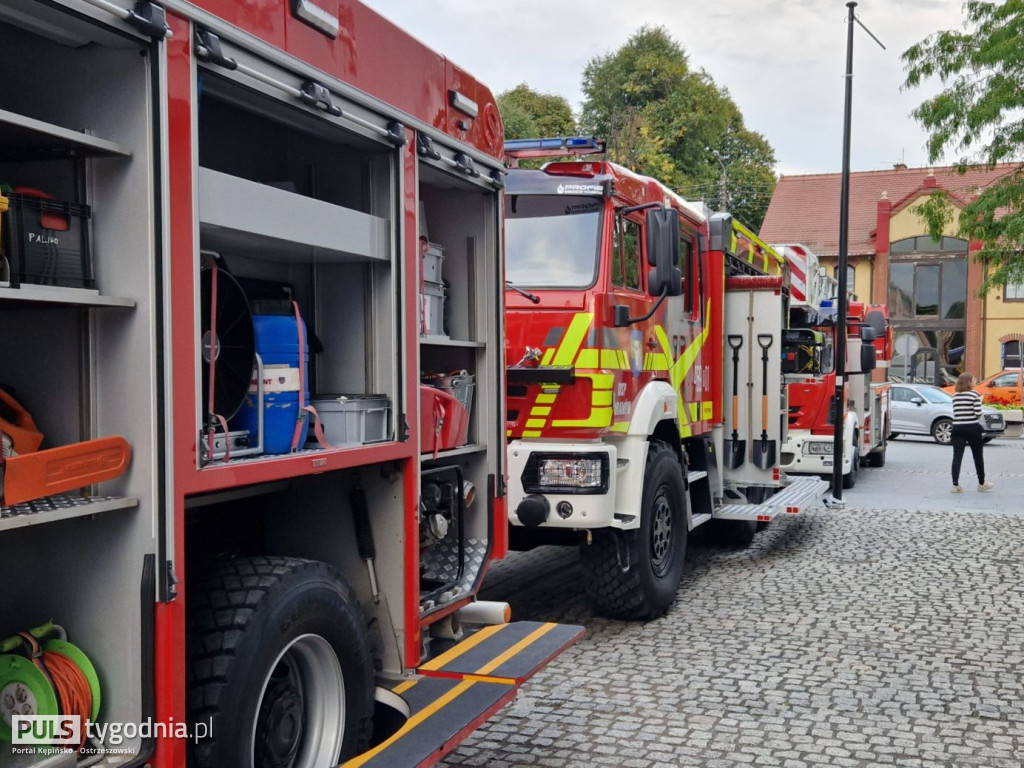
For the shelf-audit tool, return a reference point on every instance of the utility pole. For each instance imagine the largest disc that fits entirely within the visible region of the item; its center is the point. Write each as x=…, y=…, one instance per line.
x=723, y=191
x=839, y=402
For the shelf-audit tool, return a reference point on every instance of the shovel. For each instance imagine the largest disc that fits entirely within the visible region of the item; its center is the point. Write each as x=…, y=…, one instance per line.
x=735, y=449
x=764, y=451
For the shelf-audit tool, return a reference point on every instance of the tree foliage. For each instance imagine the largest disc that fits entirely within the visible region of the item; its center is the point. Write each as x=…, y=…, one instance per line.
x=530, y=114
x=978, y=116
x=661, y=118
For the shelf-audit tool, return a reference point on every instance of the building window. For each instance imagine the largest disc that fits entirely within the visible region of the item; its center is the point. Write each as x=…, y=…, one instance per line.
x=924, y=244
x=927, y=289
x=1012, y=357
x=1013, y=292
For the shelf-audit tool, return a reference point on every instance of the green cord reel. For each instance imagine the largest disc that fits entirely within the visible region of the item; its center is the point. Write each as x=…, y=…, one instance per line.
x=24, y=689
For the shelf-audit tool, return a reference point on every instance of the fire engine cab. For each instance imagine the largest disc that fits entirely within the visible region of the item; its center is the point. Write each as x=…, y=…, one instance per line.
x=810, y=372
x=644, y=341
x=253, y=396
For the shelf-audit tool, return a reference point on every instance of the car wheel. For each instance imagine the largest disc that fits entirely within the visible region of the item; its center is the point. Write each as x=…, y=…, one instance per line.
x=942, y=431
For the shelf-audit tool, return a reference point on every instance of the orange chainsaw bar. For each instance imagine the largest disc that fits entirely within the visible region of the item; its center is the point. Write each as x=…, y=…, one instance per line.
x=56, y=470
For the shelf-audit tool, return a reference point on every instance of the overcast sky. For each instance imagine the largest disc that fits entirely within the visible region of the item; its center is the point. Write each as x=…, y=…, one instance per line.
x=781, y=60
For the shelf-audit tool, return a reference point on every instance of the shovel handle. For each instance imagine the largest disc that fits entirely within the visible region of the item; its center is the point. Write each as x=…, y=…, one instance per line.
x=764, y=413
x=735, y=412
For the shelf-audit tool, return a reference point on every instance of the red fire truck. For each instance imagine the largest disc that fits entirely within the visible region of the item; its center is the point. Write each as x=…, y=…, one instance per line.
x=645, y=391
x=253, y=391
x=809, y=364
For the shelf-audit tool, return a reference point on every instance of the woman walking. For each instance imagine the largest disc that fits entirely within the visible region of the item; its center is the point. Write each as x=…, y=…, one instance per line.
x=967, y=430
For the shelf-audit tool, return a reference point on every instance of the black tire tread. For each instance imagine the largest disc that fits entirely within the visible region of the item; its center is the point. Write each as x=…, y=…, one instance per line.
x=219, y=614
x=616, y=593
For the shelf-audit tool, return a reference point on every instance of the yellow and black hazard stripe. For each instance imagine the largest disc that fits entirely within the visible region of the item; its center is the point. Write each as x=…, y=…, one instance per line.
x=462, y=686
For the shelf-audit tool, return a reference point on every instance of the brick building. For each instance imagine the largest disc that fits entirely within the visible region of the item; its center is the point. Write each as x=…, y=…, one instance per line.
x=942, y=326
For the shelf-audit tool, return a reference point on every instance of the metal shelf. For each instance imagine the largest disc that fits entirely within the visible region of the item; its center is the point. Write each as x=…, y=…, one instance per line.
x=464, y=450
x=51, y=294
x=61, y=507
x=25, y=138
x=444, y=341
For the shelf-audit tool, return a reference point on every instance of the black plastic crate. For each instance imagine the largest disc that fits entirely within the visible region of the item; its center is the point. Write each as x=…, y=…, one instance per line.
x=47, y=242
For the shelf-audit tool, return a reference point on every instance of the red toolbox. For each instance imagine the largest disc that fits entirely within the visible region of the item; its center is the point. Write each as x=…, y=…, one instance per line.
x=444, y=422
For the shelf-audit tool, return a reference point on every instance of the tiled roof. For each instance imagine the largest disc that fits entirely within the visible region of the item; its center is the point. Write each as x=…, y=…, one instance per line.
x=805, y=209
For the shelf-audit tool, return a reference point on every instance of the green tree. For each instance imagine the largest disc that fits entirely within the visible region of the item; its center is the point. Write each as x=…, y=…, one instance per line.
x=662, y=119
x=977, y=115
x=530, y=114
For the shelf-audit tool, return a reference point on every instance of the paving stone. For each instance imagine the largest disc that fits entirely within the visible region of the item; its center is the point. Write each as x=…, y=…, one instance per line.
x=882, y=634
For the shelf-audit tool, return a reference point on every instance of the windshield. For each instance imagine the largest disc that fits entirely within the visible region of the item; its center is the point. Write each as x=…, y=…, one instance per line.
x=551, y=241
x=935, y=395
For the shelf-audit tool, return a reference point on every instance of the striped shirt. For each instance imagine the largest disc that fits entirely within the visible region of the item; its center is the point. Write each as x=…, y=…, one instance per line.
x=967, y=408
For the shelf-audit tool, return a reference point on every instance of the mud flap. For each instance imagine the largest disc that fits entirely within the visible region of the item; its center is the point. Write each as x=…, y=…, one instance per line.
x=458, y=690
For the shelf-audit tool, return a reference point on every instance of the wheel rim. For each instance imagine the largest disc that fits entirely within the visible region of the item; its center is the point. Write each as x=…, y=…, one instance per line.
x=662, y=534
x=944, y=432
x=300, y=720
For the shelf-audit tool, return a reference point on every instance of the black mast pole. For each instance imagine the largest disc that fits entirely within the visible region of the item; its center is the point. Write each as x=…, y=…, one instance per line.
x=839, y=403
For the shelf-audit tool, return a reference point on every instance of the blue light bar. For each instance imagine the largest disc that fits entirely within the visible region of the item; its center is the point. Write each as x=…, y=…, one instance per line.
x=561, y=145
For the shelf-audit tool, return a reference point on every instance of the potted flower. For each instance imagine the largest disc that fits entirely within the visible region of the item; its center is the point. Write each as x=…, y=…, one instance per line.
x=1012, y=411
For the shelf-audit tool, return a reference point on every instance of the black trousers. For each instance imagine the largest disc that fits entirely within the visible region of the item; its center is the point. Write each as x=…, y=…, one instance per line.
x=964, y=435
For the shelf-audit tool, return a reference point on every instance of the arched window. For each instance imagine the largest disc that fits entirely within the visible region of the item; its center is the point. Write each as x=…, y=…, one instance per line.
x=925, y=244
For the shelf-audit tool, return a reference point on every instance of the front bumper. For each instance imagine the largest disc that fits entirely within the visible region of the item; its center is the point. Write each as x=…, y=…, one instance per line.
x=797, y=459
x=583, y=510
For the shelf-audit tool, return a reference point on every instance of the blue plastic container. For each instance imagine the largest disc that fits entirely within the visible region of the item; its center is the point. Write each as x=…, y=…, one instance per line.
x=277, y=343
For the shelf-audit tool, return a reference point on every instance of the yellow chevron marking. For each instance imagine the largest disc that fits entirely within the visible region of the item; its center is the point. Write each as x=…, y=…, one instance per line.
x=531, y=433
x=611, y=358
x=536, y=423
x=601, y=380
x=588, y=358
x=548, y=354
x=573, y=338
x=681, y=367
x=540, y=411
x=546, y=397
x=693, y=411
x=599, y=417
x=621, y=426
x=601, y=397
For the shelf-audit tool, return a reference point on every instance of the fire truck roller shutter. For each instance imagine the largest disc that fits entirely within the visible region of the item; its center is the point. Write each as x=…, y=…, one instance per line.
x=280, y=662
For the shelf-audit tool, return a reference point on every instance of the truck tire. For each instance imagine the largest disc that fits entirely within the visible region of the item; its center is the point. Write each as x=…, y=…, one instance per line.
x=280, y=666
x=635, y=574
x=877, y=457
x=850, y=478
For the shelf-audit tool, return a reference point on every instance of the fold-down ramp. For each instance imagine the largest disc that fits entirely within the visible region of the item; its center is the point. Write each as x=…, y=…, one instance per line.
x=459, y=689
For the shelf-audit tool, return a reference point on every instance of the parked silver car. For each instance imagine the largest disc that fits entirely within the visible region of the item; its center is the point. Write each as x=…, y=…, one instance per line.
x=921, y=409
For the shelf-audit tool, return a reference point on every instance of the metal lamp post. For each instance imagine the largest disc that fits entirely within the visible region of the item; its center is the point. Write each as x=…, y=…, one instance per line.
x=839, y=401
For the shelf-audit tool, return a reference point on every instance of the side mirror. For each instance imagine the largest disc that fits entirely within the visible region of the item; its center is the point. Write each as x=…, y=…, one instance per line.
x=868, y=357
x=662, y=225
x=919, y=401
x=867, y=333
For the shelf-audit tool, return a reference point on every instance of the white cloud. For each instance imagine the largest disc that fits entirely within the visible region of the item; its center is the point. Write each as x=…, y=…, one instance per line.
x=782, y=61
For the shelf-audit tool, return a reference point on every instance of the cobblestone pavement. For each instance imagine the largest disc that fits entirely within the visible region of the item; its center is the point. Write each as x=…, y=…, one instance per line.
x=882, y=634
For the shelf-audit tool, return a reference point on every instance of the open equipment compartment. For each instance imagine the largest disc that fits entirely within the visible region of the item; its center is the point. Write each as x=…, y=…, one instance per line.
x=77, y=122
x=459, y=213
x=299, y=208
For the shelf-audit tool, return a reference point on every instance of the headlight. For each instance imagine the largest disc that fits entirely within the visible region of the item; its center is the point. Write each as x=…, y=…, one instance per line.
x=818, y=449
x=566, y=473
